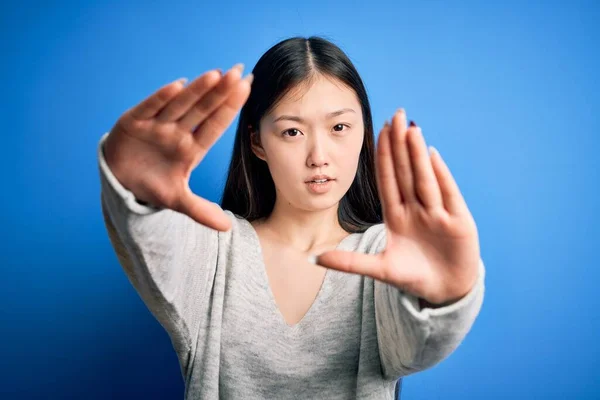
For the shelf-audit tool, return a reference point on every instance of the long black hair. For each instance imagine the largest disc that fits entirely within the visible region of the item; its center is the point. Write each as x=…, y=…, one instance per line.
x=249, y=190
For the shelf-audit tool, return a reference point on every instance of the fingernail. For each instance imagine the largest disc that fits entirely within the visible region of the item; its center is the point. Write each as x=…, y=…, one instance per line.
x=182, y=80
x=412, y=123
x=239, y=67
x=312, y=259
x=220, y=71
x=250, y=78
x=402, y=115
x=432, y=150
x=386, y=125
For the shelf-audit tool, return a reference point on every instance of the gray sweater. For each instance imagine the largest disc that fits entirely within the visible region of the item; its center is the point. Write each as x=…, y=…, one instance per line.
x=210, y=291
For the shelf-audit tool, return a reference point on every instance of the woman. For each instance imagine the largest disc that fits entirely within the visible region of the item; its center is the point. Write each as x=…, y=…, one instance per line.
x=322, y=275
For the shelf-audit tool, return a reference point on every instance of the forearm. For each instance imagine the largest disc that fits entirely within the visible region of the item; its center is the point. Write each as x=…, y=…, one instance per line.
x=413, y=337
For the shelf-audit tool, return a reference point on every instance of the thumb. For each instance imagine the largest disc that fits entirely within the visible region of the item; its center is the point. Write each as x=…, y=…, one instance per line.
x=353, y=262
x=204, y=212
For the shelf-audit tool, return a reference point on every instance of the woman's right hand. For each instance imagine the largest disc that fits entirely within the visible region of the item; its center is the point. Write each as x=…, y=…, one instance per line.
x=154, y=147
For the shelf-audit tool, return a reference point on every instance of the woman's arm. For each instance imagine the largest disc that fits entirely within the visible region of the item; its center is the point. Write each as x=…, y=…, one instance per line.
x=431, y=254
x=169, y=258
x=168, y=244
x=412, y=339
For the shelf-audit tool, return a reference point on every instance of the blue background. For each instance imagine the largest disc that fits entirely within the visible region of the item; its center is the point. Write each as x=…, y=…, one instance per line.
x=509, y=94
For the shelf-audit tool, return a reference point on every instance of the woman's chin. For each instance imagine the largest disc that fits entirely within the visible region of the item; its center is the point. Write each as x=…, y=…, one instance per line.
x=321, y=203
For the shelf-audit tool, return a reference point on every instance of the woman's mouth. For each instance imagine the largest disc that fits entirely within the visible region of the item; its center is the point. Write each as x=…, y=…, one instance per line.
x=319, y=186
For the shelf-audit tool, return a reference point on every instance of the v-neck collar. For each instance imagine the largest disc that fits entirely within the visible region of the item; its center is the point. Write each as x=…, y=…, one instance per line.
x=270, y=297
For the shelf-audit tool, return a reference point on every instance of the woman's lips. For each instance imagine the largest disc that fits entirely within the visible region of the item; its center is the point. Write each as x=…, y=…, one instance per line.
x=320, y=188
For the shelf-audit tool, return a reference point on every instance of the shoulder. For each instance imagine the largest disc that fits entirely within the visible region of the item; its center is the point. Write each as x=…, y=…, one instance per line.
x=241, y=230
x=371, y=241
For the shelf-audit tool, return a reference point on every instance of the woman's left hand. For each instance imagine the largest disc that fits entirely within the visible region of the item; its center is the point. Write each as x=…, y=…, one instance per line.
x=432, y=245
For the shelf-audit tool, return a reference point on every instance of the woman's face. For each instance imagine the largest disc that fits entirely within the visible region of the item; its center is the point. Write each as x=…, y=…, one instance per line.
x=316, y=129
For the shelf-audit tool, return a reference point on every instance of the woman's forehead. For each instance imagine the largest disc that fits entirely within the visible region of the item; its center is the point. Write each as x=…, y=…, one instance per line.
x=316, y=97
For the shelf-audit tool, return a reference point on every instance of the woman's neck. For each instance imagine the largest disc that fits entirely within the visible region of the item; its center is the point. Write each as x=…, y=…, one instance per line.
x=307, y=231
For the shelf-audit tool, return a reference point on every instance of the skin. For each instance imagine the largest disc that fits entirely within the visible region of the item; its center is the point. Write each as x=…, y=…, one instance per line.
x=432, y=247
x=432, y=242
x=153, y=147
x=315, y=129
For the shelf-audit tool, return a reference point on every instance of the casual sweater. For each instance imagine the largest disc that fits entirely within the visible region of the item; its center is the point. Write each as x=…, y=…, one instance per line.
x=210, y=292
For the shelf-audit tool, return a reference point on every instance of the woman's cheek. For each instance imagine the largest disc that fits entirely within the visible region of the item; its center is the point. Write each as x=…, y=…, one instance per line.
x=285, y=174
x=350, y=166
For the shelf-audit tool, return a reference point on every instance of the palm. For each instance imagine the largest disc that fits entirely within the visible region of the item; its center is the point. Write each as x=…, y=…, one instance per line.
x=432, y=246
x=154, y=147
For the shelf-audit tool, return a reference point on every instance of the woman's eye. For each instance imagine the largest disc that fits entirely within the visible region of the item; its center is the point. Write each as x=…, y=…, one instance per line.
x=291, y=132
x=340, y=127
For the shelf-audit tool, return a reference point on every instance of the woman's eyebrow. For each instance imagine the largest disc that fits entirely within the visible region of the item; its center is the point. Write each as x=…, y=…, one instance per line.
x=299, y=119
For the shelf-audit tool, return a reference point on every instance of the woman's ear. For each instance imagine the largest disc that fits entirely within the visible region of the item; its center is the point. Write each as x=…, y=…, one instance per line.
x=257, y=148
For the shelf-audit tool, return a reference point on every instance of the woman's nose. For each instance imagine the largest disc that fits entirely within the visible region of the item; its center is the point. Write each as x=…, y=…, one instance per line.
x=316, y=155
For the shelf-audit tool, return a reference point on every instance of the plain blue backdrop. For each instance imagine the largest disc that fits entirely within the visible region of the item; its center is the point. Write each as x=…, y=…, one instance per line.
x=508, y=92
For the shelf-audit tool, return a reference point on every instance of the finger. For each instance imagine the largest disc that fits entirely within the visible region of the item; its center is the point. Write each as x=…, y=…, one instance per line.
x=402, y=164
x=153, y=104
x=212, y=100
x=452, y=198
x=354, y=263
x=204, y=212
x=181, y=103
x=426, y=186
x=216, y=124
x=387, y=184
